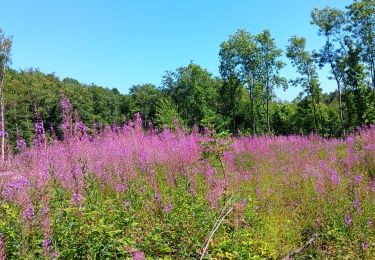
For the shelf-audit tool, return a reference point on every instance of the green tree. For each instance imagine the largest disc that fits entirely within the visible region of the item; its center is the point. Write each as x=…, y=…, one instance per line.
x=30, y=91
x=283, y=119
x=145, y=99
x=330, y=22
x=240, y=60
x=304, y=62
x=361, y=19
x=361, y=105
x=270, y=66
x=233, y=105
x=167, y=114
x=5, y=47
x=195, y=92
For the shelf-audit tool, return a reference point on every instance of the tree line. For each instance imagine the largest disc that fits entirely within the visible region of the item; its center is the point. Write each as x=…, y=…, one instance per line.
x=241, y=100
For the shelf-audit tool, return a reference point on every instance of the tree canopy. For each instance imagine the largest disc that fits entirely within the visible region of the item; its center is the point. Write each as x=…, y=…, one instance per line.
x=241, y=100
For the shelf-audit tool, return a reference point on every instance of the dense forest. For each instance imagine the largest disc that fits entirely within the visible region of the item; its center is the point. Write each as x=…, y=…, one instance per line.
x=242, y=100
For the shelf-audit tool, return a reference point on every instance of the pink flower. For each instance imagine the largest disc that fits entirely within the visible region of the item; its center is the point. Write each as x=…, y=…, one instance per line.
x=138, y=255
x=28, y=213
x=364, y=245
x=348, y=218
x=120, y=188
x=76, y=198
x=168, y=208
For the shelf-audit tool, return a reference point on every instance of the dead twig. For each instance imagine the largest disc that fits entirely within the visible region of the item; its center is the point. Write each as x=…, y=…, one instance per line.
x=218, y=222
x=299, y=250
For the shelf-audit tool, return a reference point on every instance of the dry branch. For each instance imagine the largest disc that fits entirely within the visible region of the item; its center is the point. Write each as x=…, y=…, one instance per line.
x=301, y=249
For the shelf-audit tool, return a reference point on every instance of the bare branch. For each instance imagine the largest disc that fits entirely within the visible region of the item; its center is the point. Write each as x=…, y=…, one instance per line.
x=301, y=249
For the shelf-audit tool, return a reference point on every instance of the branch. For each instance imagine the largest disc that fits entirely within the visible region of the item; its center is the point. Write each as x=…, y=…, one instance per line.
x=214, y=229
x=299, y=250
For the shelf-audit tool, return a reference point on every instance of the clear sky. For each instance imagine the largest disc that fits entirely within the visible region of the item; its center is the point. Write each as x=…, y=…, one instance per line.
x=119, y=43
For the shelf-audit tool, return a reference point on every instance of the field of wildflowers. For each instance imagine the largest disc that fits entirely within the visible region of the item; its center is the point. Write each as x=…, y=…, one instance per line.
x=123, y=192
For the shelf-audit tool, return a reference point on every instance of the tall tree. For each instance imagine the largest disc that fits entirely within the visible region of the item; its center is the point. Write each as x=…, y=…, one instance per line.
x=145, y=98
x=361, y=105
x=195, y=92
x=270, y=65
x=5, y=46
x=361, y=18
x=304, y=62
x=233, y=104
x=167, y=114
x=240, y=59
x=330, y=22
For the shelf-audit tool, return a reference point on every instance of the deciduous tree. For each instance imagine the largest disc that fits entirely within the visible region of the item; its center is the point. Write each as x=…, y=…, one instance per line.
x=5, y=47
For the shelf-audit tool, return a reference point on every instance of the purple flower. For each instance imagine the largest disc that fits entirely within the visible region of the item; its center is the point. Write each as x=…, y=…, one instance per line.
x=138, y=118
x=76, y=198
x=5, y=133
x=348, y=218
x=350, y=140
x=80, y=127
x=158, y=197
x=369, y=222
x=358, y=179
x=46, y=243
x=364, y=245
x=40, y=136
x=320, y=185
x=65, y=104
x=15, y=186
x=138, y=255
x=357, y=205
x=126, y=204
x=120, y=187
x=28, y=213
x=45, y=210
x=21, y=144
x=334, y=177
x=55, y=254
x=168, y=208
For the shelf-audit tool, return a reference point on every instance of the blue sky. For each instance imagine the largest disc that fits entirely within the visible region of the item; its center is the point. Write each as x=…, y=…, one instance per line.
x=118, y=44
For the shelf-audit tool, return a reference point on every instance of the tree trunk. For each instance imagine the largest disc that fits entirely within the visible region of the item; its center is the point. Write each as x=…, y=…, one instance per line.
x=252, y=110
x=5, y=45
x=321, y=118
x=372, y=72
x=252, y=107
x=340, y=108
x=312, y=100
x=267, y=104
x=2, y=75
x=333, y=68
x=314, y=110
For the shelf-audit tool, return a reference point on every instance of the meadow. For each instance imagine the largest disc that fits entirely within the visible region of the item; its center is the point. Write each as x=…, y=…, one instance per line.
x=115, y=192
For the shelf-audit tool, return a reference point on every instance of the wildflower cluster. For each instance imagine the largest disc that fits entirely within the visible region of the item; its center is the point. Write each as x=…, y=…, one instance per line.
x=121, y=191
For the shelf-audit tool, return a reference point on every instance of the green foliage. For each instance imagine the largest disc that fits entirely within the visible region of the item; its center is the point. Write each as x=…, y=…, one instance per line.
x=214, y=149
x=27, y=92
x=145, y=99
x=304, y=62
x=361, y=26
x=195, y=93
x=167, y=114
